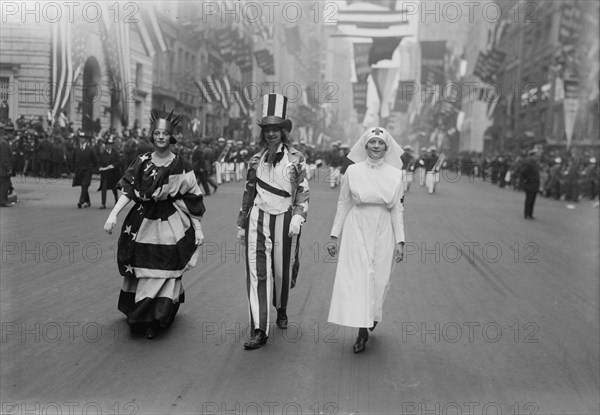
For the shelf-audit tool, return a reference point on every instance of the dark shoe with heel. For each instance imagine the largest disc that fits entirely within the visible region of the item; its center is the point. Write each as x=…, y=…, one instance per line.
x=258, y=339
x=150, y=332
x=361, y=342
x=282, y=320
x=374, y=325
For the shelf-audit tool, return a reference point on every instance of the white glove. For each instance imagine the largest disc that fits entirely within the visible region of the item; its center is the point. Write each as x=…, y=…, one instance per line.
x=295, y=223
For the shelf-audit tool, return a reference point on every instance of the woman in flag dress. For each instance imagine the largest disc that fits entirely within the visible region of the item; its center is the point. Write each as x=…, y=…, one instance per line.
x=370, y=213
x=161, y=235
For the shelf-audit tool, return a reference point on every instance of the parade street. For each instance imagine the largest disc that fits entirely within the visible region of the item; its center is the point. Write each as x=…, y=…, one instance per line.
x=487, y=314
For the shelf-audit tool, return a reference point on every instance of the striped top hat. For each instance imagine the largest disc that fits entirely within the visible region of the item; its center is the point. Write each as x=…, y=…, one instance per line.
x=274, y=111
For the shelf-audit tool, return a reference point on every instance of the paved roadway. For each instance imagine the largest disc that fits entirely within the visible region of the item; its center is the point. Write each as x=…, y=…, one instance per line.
x=488, y=314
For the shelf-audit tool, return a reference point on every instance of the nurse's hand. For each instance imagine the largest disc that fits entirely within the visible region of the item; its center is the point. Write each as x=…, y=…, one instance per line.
x=399, y=252
x=332, y=247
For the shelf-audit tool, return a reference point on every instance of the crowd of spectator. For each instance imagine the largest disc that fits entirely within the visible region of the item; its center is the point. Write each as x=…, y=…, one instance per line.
x=563, y=175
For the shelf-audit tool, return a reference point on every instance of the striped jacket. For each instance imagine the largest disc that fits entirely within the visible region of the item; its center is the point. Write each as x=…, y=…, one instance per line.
x=297, y=177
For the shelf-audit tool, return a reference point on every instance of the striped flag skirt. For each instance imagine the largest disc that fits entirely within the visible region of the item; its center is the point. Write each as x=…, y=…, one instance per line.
x=156, y=246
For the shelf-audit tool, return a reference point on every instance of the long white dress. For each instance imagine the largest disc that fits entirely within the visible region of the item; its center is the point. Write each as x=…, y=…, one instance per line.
x=370, y=213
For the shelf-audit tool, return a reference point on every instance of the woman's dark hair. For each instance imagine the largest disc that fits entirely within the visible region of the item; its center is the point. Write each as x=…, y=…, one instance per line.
x=172, y=139
x=285, y=138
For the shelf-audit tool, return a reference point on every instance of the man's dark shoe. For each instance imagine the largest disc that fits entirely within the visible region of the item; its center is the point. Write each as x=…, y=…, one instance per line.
x=282, y=320
x=258, y=339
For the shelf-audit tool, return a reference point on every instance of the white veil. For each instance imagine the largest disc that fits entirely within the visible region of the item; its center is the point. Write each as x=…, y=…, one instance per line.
x=358, y=152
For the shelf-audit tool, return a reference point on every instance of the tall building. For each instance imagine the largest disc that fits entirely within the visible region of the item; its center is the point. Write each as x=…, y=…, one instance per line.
x=96, y=72
x=556, y=47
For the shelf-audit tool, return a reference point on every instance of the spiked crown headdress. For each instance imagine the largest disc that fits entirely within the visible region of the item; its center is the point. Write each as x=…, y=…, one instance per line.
x=159, y=120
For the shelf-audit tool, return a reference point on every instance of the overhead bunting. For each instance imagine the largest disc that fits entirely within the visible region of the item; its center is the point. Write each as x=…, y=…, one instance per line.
x=375, y=21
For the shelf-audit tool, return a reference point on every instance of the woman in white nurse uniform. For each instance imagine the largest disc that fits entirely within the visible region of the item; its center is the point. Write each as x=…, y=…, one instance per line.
x=370, y=214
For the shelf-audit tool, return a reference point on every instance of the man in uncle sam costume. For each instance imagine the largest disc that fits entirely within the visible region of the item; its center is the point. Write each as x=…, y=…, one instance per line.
x=274, y=206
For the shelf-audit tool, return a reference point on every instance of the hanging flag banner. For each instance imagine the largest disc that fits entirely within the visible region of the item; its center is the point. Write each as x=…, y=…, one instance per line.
x=383, y=48
x=432, y=63
x=361, y=61
x=406, y=90
x=570, y=23
x=293, y=40
x=570, y=106
x=384, y=81
x=359, y=96
x=488, y=64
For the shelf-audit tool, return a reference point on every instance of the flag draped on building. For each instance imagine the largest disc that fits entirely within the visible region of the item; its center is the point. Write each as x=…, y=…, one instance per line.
x=62, y=66
x=68, y=53
x=115, y=40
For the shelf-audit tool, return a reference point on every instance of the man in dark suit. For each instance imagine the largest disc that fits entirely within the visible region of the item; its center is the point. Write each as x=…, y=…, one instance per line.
x=110, y=170
x=44, y=156
x=85, y=163
x=530, y=180
x=6, y=165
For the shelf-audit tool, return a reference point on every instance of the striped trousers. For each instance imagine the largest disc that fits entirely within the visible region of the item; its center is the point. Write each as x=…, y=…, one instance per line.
x=268, y=258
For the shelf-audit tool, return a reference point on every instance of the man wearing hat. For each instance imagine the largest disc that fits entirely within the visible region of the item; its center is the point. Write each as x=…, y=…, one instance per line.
x=110, y=170
x=6, y=169
x=274, y=206
x=530, y=180
x=407, y=167
x=430, y=170
x=85, y=161
x=334, y=161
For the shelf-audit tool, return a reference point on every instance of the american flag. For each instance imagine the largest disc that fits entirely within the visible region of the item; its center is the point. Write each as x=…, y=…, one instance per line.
x=223, y=91
x=240, y=102
x=115, y=40
x=209, y=89
x=62, y=65
x=79, y=52
x=206, y=95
